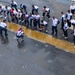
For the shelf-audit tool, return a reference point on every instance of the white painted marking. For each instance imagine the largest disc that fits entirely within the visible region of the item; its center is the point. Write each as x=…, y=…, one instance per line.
x=49, y=61
x=24, y=66
x=23, y=50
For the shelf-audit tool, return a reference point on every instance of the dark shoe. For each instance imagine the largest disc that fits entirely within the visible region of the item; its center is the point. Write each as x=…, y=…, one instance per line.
x=22, y=40
x=6, y=34
x=52, y=33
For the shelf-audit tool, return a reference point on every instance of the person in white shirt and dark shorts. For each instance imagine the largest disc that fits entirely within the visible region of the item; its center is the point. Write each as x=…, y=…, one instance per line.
x=62, y=19
x=43, y=26
x=3, y=27
x=69, y=17
x=20, y=34
x=34, y=9
x=73, y=34
x=46, y=11
x=55, y=22
x=72, y=8
x=65, y=29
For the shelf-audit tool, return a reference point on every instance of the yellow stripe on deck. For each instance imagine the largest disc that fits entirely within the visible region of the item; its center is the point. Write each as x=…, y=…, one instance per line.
x=43, y=37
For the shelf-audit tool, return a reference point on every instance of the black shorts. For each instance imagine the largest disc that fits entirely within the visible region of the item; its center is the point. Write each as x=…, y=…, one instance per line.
x=19, y=36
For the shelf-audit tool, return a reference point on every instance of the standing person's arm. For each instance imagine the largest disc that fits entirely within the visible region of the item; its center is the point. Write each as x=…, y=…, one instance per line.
x=73, y=30
x=5, y=25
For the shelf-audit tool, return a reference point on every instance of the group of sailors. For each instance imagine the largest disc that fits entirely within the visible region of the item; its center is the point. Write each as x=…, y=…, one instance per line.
x=33, y=19
x=67, y=21
x=21, y=16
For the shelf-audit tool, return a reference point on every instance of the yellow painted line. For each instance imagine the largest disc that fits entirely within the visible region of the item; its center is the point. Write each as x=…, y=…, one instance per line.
x=61, y=44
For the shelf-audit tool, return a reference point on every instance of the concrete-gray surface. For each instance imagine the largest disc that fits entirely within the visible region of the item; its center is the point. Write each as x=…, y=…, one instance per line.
x=34, y=58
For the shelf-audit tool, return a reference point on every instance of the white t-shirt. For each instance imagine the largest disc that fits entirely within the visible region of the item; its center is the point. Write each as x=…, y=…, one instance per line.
x=15, y=12
x=3, y=8
x=8, y=8
x=36, y=7
x=15, y=3
x=63, y=16
x=54, y=22
x=73, y=21
x=19, y=33
x=37, y=16
x=31, y=17
x=47, y=9
x=72, y=7
x=26, y=16
x=3, y=25
x=45, y=23
x=69, y=15
x=65, y=26
x=34, y=16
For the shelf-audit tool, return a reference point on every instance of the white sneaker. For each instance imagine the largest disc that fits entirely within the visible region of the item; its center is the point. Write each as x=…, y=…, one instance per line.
x=74, y=46
x=66, y=37
x=46, y=31
x=22, y=40
x=42, y=16
x=22, y=21
x=49, y=18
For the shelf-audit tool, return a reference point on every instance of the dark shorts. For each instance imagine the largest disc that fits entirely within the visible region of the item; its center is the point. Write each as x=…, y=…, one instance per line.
x=19, y=36
x=73, y=11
